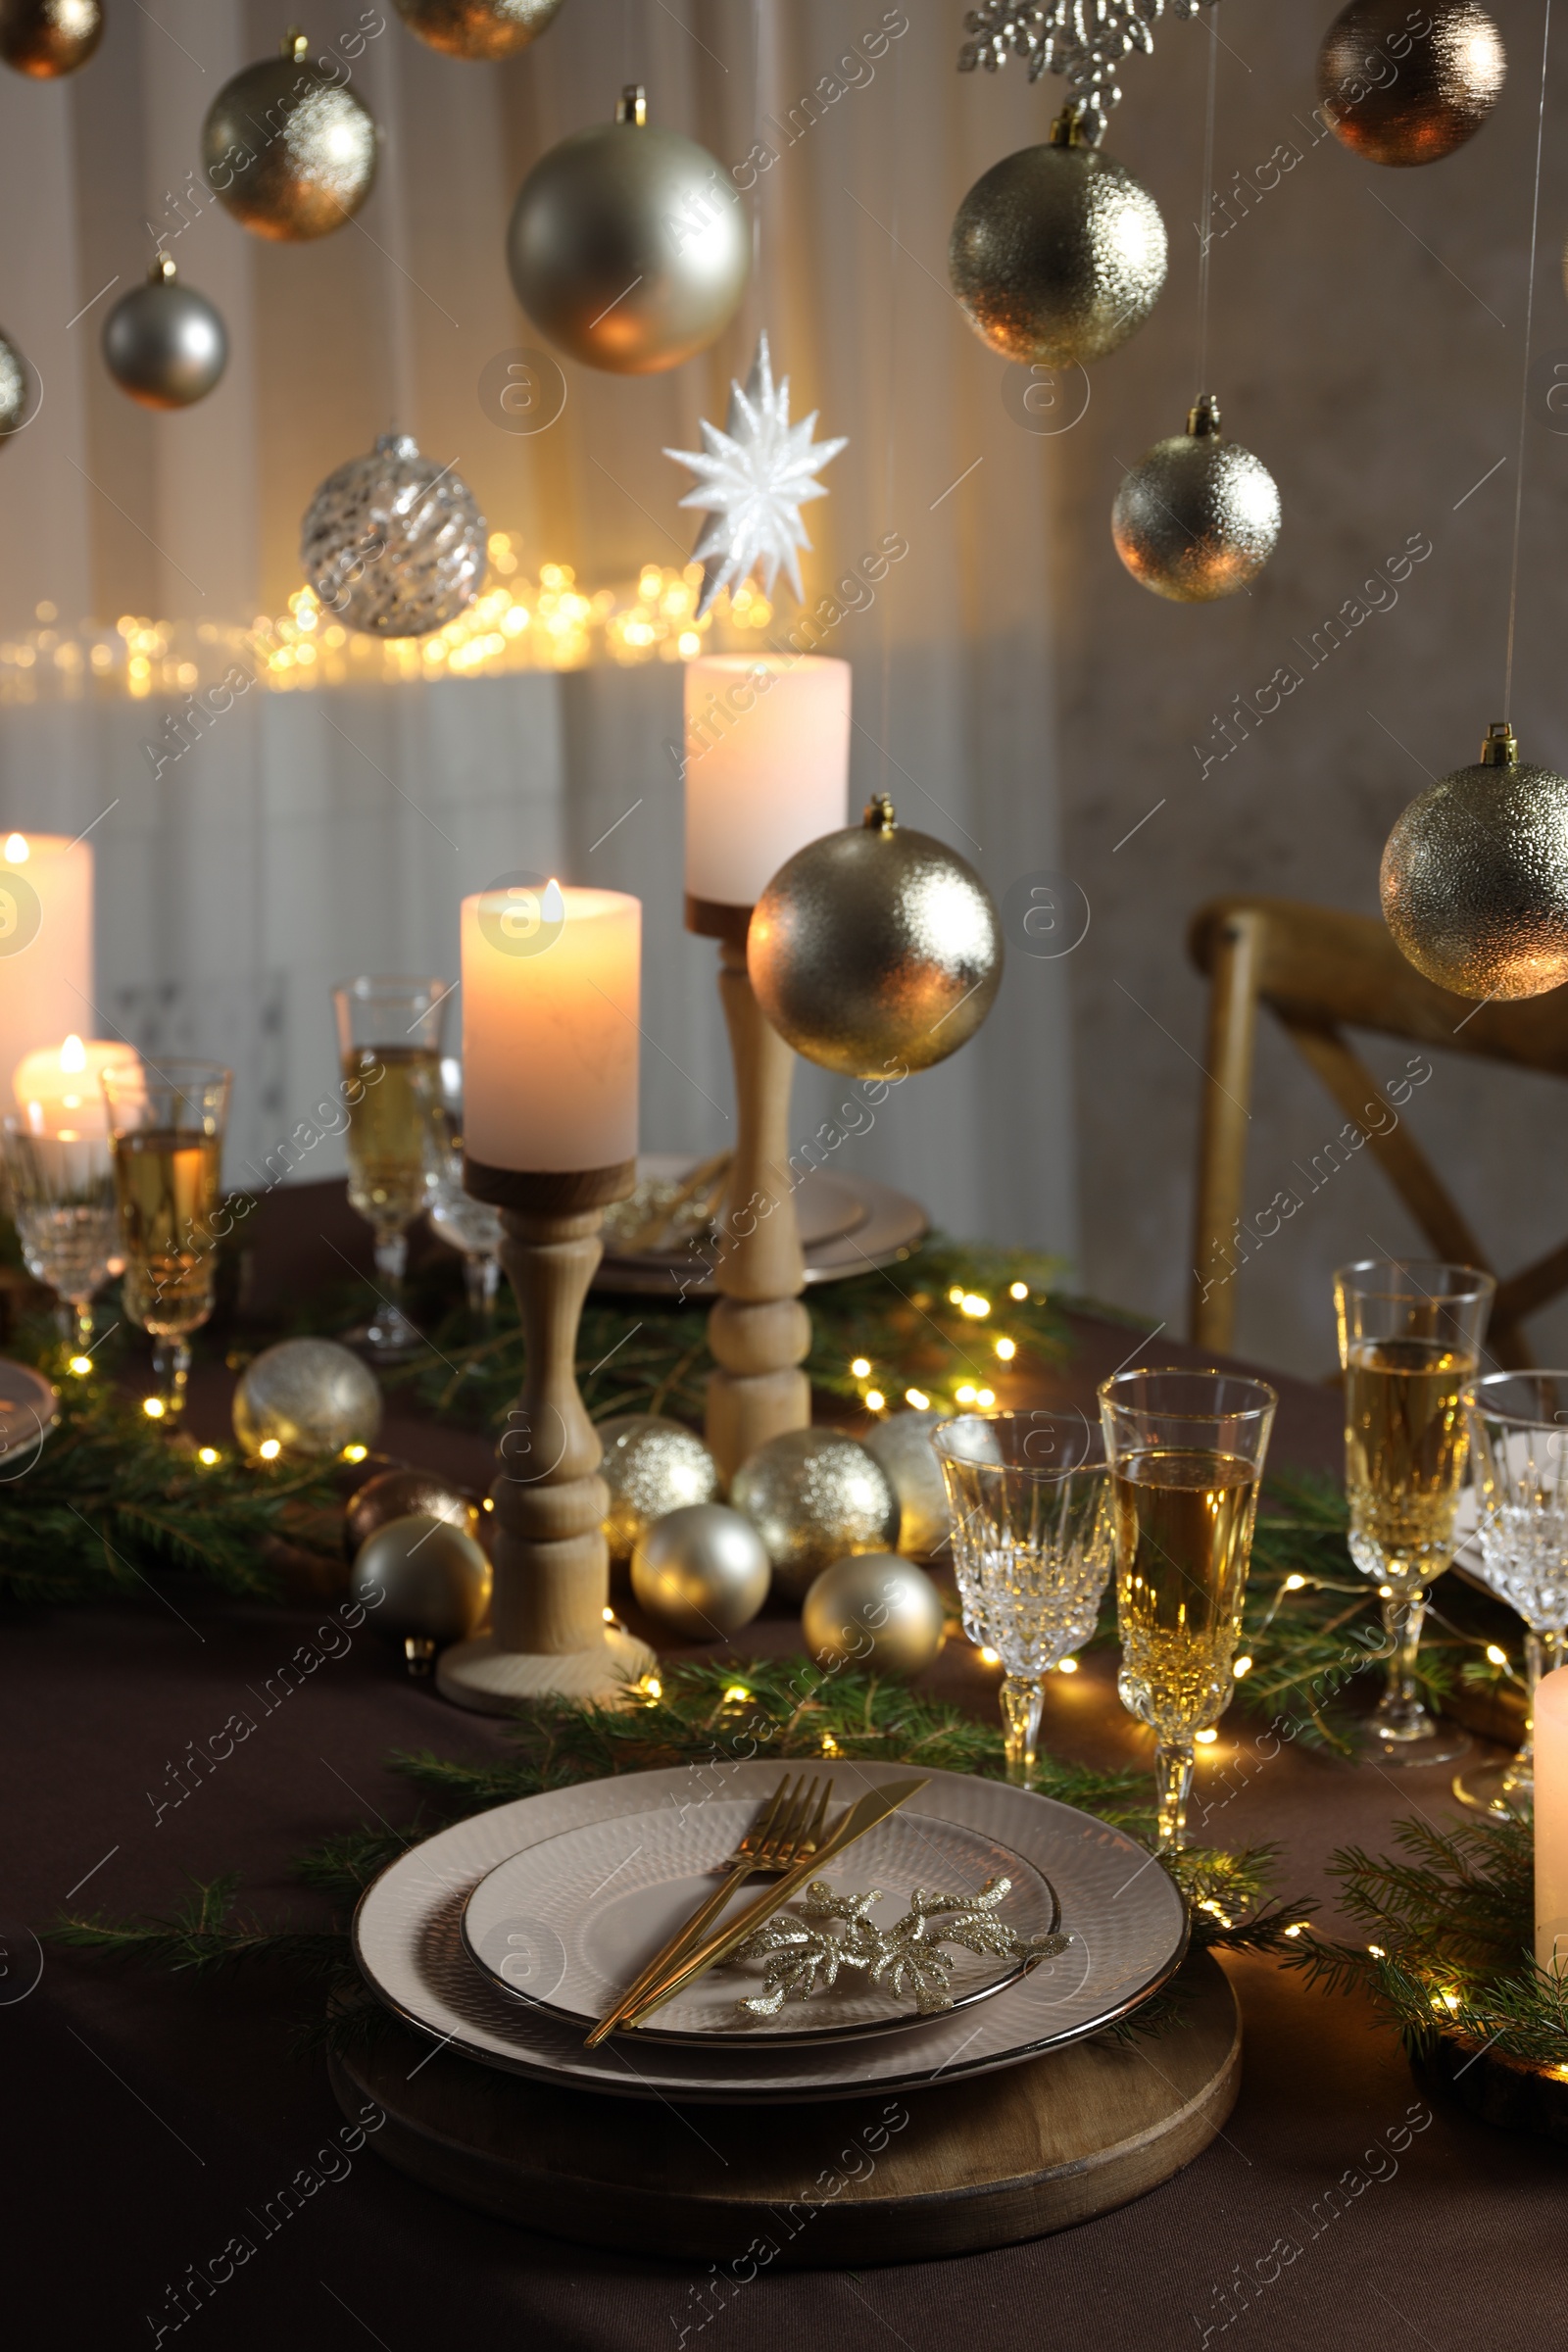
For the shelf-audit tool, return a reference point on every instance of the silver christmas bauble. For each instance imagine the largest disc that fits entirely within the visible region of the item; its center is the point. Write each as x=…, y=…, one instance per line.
x=392, y=544
x=874, y=1610
x=703, y=1571
x=1058, y=254
x=402, y=1494
x=629, y=247
x=875, y=951
x=421, y=1579
x=1400, y=86
x=481, y=28
x=1475, y=877
x=14, y=389
x=48, y=38
x=308, y=1397
x=164, y=343
x=651, y=1466
x=287, y=148
x=1197, y=517
x=812, y=1495
x=902, y=1444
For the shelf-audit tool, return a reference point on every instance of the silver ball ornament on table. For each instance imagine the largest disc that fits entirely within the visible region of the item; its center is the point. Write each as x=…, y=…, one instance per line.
x=164, y=343
x=423, y=1582
x=287, y=148
x=874, y=1610
x=479, y=28
x=703, y=1571
x=308, y=1397
x=875, y=951
x=392, y=545
x=1475, y=877
x=812, y=1495
x=1058, y=254
x=651, y=1466
x=628, y=246
x=49, y=38
x=15, y=389
x=902, y=1444
x=1197, y=517
x=404, y=1495
x=1446, y=77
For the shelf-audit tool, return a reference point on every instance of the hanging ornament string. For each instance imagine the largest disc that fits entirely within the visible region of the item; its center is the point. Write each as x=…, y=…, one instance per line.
x=1206, y=232
x=1524, y=386
x=889, y=477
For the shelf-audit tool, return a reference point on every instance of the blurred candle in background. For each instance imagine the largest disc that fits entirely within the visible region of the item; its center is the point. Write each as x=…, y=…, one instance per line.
x=46, y=979
x=551, y=1000
x=767, y=769
x=1552, y=1820
x=59, y=1088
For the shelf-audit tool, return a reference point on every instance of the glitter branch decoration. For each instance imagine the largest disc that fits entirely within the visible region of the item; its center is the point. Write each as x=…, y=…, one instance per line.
x=1085, y=40
x=903, y=1960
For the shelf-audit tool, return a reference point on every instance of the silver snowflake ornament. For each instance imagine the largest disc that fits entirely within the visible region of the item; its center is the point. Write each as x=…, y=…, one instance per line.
x=753, y=479
x=1086, y=40
x=905, y=1961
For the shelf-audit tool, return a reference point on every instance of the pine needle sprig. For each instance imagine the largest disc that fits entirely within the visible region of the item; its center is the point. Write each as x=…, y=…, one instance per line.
x=204, y=1933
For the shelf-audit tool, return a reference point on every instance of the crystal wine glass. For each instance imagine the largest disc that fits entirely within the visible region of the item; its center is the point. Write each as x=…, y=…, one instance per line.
x=389, y=1039
x=1187, y=1452
x=1410, y=1337
x=63, y=1193
x=1031, y=1548
x=456, y=1217
x=166, y=1127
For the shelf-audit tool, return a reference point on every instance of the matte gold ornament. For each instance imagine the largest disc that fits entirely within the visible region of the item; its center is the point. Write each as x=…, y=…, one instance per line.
x=628, y=246
x=874, y=1610
x=1475, y=877
x=1197, y=517
x=164, y=343
x=812, y=1495
x=287, y=148
x=14, y=389
x=1402, y=85
x=1058, y=254
x=479, y=28
x=308, y=1397
x=48, y=38
x=875, y=951
x=402, y=1494
x=423, y=1582
x=902, y=1444
x=703, y=1571
x=651, y=1466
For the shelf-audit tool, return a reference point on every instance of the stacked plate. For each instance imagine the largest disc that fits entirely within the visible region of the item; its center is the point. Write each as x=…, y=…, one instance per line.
x=847, y=1225
x=507, y=1936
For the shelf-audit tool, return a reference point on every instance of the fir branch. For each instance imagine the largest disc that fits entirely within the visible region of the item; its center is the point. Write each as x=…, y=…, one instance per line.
x=205, y=1934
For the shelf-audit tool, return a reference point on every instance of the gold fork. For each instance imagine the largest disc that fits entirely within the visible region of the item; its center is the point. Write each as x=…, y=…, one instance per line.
x=785, y=1831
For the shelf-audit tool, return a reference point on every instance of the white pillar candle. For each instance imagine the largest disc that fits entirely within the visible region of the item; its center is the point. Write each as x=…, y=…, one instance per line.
x=767, y=767
x=59, y=1088
x=1552, y=1820
x=46, y=982
x=550, y=1035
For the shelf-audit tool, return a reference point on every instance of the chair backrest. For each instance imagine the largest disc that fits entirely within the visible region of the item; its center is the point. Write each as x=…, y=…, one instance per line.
x=1319, y=970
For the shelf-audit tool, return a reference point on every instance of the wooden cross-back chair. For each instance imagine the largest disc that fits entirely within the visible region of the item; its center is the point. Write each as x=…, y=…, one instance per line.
x=1320, y=971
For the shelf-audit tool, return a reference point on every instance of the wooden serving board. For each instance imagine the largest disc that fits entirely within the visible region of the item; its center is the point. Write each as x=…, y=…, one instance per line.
x=890, y=2178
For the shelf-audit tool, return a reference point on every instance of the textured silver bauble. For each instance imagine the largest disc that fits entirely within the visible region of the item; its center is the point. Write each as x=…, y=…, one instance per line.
x=47, y=38
x=703, y=1571
x=1398, y=95
x=402, y=1495
x=651, y=1466
x=164, y=343
x=629, y=247
x=420, y=1578
x=308, y=1396
x=812, y=1495
x=902, y=1444
x=287, y=148
x=874, y=1610
x=1197, y=517
x=392, y=544
x=1058, y=254
x=1475, y=877
x=875, y=951
x=14, y=389
x=481, y=28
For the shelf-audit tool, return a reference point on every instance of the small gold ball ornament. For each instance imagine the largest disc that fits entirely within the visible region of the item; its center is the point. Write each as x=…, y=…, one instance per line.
x=402, y=1495
x=393, y=544
x=1058, y=254
x=48, y=38
x=164, y=343
x=875, y=951
x=287, y=148
x=479, y=28
x=1197, y=517
x=874, y=1610
x=1402, y=86
x=902, y=1444
x=812, y=1495
x=1475, y=877
x=423, y=1582
x=703, y=1571
x=651, y=1466
x=306, y=1397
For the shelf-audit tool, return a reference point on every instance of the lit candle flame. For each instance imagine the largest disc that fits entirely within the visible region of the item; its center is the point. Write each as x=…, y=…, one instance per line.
x=16, y=849
x=72, y=1055
x=553, y=906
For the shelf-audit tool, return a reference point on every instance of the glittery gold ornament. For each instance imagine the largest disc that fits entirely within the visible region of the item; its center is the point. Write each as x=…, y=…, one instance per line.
x=902, y=1444
x=651, y=1466
x=392, y=544
x=421, y=1582
x=703, y=1571
x=875, y=951
x=874, y=1610
x=306, y=1397
x=164, y=343
x=287, y=148
x=1197, y=517
x=629, y=247
x=402, y=1494
x=812, y=1495
x=47, y=38
x=14, y=389
x=1058, y=254
x=481, y=28
x=1475, y=877
x=1401, y=85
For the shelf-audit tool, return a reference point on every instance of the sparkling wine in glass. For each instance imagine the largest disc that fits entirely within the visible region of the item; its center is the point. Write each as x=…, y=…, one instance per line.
x=62, y=1196
x=1518, y=1423
x=166, y=1127
x=389, y=1041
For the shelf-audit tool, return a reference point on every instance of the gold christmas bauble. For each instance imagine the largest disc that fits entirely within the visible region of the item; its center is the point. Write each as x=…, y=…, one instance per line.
x=874, y=1610
x=306, y=1397
x=13, y=389
x=1197, y=517
x=1475, y=877
x=812, y=1495
x=402, y=1494
x=287, y=148
x=47, y=38
x=393, y=544
x=421, y=1580
x=902, y=1444
x=164, y=343
x=1058, y=254
x=1398, y=95
x=629, y=247
x=875, y=951
x=703, y=1571
x=481, y=28
x=651, y=1466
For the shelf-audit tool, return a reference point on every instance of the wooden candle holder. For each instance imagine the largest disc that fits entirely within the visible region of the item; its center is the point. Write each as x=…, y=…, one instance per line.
x=547, y=1633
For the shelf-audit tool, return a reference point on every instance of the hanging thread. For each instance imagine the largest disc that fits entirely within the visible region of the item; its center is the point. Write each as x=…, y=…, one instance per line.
x=1524, y=388
x=1205, y=232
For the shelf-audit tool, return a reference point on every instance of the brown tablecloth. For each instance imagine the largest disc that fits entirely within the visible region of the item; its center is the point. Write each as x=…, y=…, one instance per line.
x=150, y=2120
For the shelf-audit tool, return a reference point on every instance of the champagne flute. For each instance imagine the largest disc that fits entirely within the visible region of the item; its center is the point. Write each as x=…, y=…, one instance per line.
x=62, y=1195
x=389, y=1039
x=465, y=1224
x=166, y=1128
x=1518, y=1423
x=1410, y=1337
x=1187, y=1452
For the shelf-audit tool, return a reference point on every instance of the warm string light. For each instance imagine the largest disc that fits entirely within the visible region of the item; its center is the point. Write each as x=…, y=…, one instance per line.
x=82, y=1365
x=208, y=1456
x=355, y=1454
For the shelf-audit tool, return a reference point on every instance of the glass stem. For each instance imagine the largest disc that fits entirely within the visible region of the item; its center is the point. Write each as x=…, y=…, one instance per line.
x=1403, y=1616
x=1021, y=1706
x=81, y=1320
x=481, y=1277
x=1173, y=1786
x=391, y=1261
x=171, y=1372
x=1542, y=1651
